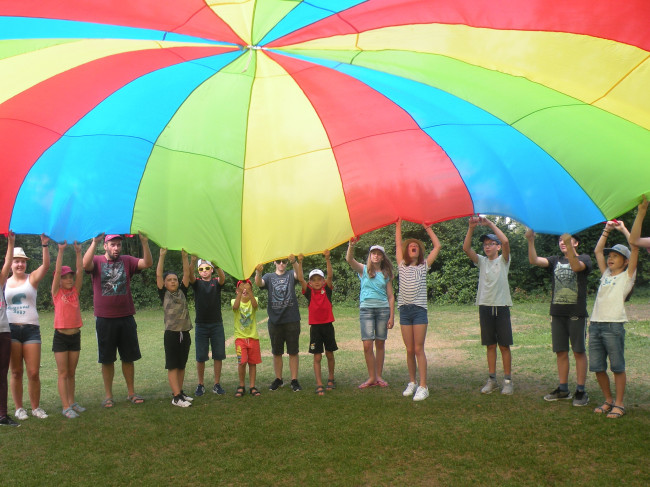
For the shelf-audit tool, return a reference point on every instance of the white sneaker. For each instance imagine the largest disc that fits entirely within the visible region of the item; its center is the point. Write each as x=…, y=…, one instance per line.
x=507, y=387
x=39, y=413
x=421, y=393
x=490, y=386
x=178, y=401
x=21, y=414
x=410, y=389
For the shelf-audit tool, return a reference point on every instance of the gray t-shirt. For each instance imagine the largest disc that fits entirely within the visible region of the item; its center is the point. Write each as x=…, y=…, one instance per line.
x=493, y=287
x=4, y=322
x=282, y=306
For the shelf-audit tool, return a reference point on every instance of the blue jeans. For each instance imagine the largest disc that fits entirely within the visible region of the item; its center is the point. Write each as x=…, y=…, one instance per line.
x=374, y=323
x=606, y=339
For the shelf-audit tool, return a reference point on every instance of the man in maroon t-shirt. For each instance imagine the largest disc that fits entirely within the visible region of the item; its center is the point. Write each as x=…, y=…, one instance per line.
x=113, y=304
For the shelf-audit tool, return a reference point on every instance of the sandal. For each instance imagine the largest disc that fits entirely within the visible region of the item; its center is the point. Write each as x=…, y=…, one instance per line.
x=605, y=408
x=331, y=384
x=367, y=384
x=240, y=391
x=254, y=392
x=382, y=383
x=135, y=399
x=108, y=403
x=615, y=415
x=320, y=390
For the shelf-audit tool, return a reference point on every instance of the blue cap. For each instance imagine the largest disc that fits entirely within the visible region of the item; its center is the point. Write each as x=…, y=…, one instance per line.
x=490, y=236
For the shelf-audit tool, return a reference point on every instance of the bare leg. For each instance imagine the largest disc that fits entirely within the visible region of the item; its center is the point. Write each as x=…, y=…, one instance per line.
x=380, y=351
x=506, y=358
x=128, y=370
x=317, y=372
x=16, y=364
x=32, y=356
x=61, y=359
x=108, y=372
x=330, y=364
x=492, y=358
x=241, y=372
x=172, y=376
x=252, y=373
x=419, y=336
x=409, y=343
x=277, y=366
x=369, y=355
x=563, y=367
x=603, y=382
x=581, y=367
x=293, y=366
x=200, y=372
x=620, y=380
x=217, y=371
x=73, y=360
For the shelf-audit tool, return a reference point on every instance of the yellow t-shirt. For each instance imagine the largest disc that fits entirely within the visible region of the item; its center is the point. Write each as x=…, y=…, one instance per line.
x=245, y=321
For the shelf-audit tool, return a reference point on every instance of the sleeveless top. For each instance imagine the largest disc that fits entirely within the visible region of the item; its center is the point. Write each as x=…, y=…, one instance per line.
x=21, y=304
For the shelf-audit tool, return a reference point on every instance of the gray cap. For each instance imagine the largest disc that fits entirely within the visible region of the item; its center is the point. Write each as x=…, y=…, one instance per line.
x=490, y=236
x=619, y=249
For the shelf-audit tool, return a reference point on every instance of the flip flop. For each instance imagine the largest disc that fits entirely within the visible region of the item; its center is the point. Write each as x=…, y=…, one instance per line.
x=135, y=399
x=382, y=383
x=367, y=384
x=108, y=403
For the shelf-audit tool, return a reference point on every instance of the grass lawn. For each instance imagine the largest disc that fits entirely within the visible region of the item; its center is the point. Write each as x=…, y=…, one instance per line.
x=349, y=437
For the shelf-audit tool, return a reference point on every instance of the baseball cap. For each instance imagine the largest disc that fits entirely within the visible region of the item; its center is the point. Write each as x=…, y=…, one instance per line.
x=112, y=237
x=316, y=272
x=490, y=236
x=66, y=269
x=619, y=249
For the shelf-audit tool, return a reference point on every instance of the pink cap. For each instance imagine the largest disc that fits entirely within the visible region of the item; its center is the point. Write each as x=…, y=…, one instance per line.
x=65, y=269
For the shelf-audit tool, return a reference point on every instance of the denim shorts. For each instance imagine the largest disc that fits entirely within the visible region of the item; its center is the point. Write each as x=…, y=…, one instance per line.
x=208, y=335
x=25, y=334
x=412, y=314
x=374, y=323
x=606, y=339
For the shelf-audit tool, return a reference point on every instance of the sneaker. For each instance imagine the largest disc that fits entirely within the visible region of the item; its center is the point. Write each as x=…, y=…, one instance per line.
x=276, y=384
x=580, y=398
x=39, y=413
x=217, y=389
x=178, y=401
x=421, y=393
x=507, y=387
x=70, y=413
x=21, y=414
x=77, y=408
x=295, y=385
x=557, y=394
x=185, y=397
x=410, y=389
x=490, y=386
x=200, y=390
x=7, y=421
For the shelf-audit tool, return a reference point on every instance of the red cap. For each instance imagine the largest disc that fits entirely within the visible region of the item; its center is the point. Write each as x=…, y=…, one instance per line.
x=111, y=237
x=66, y=270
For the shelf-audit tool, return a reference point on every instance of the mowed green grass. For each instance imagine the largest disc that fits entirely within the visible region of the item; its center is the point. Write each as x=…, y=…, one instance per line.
x=349, y=437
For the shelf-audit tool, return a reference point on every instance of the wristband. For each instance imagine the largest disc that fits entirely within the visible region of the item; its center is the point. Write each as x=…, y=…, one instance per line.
x=45, y=245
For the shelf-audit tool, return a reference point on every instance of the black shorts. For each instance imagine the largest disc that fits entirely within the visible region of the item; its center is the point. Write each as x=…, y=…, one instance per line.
x=495, y=325
x=565, y=329
x=284, y=332
x=117, y=334
x=66, y=343
x=177, y=349
x=322, y=335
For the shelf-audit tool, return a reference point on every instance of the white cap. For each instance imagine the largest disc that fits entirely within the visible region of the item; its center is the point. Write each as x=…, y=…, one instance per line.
x=202, y=262
x=316, y=272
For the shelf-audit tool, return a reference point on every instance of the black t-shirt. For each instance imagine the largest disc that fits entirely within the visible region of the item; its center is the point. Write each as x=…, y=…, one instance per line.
x=569, y=296
x=207, y=300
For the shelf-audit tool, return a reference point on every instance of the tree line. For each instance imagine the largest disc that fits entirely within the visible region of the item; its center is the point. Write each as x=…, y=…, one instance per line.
x=452, y=278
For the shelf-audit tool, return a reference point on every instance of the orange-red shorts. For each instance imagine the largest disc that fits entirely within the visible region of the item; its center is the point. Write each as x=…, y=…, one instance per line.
x=248, y=351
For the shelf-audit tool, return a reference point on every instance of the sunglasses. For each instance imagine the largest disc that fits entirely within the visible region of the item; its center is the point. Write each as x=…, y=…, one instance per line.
x=206, y=268
x=282, y=261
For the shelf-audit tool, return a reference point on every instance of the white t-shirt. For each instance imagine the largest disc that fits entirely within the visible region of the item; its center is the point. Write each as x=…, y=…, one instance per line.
x=610, y=300
x=493, y=286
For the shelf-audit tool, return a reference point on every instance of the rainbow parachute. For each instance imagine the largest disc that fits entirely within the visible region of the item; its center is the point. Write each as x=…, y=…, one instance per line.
x=243, y=130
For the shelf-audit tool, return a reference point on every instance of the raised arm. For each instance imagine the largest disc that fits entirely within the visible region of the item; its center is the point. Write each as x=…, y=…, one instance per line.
x=56, y=277
x=300, y=275
x=193, y=260
x=571, y=254
x=505, y=243
x=36, y=276
x=600, y=247
x=467, y=243
x=258, y=276
x=635, y=232
x=160, y=268
x=79, y=269
x=349, y=257
x=221, y=276
x=533, y=258
x=147, y=260
x=9, y=257
x=433, y=255
x=330, y=272
x=90, y=253
x=399, y=256
x=186, y=268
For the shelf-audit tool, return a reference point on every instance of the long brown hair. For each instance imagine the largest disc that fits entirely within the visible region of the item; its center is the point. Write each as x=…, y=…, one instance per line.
x=385, y=267
x=405, y=254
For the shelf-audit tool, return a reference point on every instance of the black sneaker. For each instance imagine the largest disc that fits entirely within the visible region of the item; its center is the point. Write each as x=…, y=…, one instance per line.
x=200, y=390
x=580, y=398
x=185, y=397
x=295, y=385
x=557, y=394
x=7, y=421
x=217, y=389
x=276, y=384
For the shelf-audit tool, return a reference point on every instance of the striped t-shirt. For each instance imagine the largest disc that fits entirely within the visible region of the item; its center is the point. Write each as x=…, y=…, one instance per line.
x=412, y=284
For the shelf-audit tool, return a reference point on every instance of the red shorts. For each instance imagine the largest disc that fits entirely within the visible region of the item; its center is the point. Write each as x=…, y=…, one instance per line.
x=248, y=351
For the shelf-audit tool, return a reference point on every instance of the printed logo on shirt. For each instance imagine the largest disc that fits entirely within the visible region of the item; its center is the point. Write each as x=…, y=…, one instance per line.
x=281, y=296
x=566, y=285
x=113, y=278
x=17, y=307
